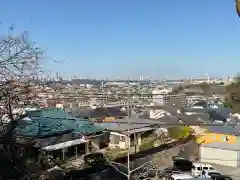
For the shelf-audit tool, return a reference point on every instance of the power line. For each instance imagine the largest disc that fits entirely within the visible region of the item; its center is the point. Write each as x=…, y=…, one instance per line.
x=173, y=124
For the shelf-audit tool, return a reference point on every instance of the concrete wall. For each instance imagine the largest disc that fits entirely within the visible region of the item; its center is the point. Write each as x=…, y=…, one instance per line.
x=238, y=158
x=219, y=156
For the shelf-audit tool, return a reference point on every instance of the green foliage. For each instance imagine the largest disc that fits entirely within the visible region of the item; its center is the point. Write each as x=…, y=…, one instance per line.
x=147, y=144
x=31, y=164
x=179, y=132
x=227, y=104
x=59, y=162
x=115, y=153
x=232, y=99
x=121, y=154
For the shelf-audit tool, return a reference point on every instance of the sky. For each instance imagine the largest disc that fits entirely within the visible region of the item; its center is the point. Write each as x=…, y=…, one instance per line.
x=130, y=38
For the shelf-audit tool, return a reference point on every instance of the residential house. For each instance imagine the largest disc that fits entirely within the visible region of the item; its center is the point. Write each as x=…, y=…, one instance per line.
x=228, y=133
x=220, y=115
x=199, y=107
x=196, y=122
x=221, y=146
x=130, y=131
x=221, y=153
x=100, y=113
x=56, y=133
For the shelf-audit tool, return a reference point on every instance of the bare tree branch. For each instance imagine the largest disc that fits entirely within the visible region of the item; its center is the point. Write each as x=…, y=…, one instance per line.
x=19, y=67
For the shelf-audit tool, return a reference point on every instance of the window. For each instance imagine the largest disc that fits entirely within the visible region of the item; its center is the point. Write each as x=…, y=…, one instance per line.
x=122, y=138
x=199, y=168
x=114, y=139
x=205, y=168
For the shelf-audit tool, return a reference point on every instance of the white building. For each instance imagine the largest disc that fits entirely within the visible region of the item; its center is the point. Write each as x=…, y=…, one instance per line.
x=221, y=153
x=159, y=93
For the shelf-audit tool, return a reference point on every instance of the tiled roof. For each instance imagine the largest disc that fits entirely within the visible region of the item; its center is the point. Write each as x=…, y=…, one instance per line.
x=47, y=122
x=130, y=123
x=232, y=130
x=107, y=112
x=223, y=145
x=99, y=112
x=194, y=119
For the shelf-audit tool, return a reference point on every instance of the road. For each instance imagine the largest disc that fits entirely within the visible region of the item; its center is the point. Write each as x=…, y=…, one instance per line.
x=160, y=155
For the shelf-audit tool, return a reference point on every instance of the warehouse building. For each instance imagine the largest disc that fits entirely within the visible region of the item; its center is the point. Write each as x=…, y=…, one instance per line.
x=221, y=153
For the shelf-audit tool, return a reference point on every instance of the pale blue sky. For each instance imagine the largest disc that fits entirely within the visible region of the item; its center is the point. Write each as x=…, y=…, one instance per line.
x=121, y=38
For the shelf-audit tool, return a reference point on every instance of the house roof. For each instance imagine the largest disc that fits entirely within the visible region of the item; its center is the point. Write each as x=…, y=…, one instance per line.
x=194, y=119
x=220, y=114
x=231, y=130
x=193, y=110
x=201, y=103
x=168, y=119
x=107, y=112
x=80, y=112
x=47, y=122
x=99, y=112
x=169, y=108
x=132, y=123
x=43, y=142
x=223, y=145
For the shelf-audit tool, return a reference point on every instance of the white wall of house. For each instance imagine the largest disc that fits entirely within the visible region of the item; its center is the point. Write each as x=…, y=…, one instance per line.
x=219, y=156
x=122, y=141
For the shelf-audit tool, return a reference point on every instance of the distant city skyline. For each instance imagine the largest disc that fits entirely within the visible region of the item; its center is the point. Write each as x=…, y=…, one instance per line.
x=58, y=76
x=120, y=39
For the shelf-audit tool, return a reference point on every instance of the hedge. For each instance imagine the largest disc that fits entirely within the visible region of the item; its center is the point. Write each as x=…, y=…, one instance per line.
x=179, y=132
x=147, y=145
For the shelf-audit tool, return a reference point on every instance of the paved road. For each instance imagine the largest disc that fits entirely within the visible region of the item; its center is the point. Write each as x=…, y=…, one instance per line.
x=232, y=172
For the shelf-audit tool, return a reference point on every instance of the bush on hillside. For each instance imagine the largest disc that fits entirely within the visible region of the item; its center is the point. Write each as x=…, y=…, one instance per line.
x=147, y=145
x=179, y=132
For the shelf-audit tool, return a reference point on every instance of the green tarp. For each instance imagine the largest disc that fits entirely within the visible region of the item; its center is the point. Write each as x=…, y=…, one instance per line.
x=47, y=122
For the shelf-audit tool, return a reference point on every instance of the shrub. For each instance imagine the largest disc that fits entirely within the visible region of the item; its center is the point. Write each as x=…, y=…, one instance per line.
x=179, y=132
x=147, y=145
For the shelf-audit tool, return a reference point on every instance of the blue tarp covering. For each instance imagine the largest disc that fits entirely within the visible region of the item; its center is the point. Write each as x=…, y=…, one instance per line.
x=47, y=122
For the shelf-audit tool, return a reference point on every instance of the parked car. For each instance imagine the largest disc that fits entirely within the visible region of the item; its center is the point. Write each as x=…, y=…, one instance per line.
x=182, y=163
x=178, y=177
x=210, y=174
x=198, y=168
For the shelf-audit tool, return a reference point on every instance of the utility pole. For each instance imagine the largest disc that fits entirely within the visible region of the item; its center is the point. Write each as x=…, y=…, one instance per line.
x=129, y=141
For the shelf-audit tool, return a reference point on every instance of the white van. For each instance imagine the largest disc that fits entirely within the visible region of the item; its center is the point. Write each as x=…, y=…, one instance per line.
x=180, y=176
x=198, y=168
x=211, y=173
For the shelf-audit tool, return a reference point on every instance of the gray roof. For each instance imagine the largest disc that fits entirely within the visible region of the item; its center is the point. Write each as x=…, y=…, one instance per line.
x=80, y=112
x=220, y=113
x=232, y=130
x=132, y=123
x=168, y=119
x=193, y=110
x=139, y=121
x=169, y=108
x=223, y=145
x=194, y=119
